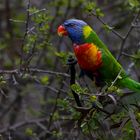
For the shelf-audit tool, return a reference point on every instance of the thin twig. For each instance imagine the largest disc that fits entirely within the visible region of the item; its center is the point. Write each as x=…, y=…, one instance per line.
x=115, y=32
x=136, y=26
x=55, y=106
x=38, y=11
x=23, y=123
x=117, y=77
x=35, y=70
x=129, y=55
x=122, y=126
x=17, y=21
x=26, y=32
x=126, y=36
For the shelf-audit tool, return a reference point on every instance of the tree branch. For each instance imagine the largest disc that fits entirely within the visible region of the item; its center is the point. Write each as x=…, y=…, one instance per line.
x=34, y=70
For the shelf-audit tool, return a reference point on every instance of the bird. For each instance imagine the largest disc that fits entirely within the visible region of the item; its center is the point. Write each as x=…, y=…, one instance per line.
x=94, y=58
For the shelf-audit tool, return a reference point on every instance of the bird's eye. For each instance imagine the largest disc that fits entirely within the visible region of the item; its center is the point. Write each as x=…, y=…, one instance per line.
x=70, y=25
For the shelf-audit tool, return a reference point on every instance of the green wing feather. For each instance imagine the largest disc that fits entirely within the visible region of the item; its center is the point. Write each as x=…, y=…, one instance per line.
x=111, y=67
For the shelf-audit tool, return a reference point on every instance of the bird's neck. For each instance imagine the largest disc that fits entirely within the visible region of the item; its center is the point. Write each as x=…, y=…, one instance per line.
x=82, y=36
x=87, y=30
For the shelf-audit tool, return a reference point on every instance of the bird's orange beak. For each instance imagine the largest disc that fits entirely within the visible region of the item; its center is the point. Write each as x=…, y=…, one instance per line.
x=62, y=31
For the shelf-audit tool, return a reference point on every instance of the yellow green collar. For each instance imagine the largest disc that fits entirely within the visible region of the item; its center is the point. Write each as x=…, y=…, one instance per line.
x=86, y=31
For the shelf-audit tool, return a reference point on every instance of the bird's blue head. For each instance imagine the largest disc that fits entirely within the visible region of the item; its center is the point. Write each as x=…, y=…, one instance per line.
x=74, y=29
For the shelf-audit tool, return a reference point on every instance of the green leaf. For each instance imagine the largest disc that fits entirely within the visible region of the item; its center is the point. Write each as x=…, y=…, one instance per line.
x=107, y=27
x=32, y=10
x=60, y=54
x=44, y=80
x=90, y=6
x=2, y=81
x=129, y=130
x=2, y=45
x=99, y=104
x=138, y=116
x=64, y=104
x=111, y=89
x=29, y=43
x=29, y=132
x=93, y=98
x=83, y=124
x=119, y=92
x=63, y=56
x=119, y=77
x=56, y=116
x=134, y=3
x=74, y=114
x=99, y=13
x=57, y=134
x=76, y=88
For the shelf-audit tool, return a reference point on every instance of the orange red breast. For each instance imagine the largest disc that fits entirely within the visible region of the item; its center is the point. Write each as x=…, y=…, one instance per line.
x=88, y=56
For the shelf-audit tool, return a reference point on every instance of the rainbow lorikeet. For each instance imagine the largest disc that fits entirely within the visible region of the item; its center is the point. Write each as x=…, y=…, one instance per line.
x=93, y=57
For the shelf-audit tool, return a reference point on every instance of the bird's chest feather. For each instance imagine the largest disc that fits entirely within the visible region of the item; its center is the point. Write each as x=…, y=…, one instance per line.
x=88, y=56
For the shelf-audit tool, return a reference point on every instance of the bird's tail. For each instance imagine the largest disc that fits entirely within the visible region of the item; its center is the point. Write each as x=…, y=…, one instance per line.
x=130, y=84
